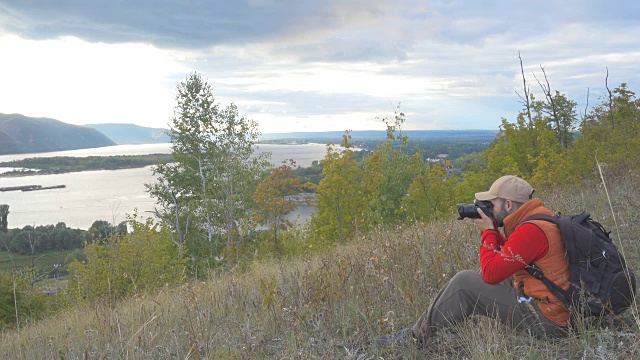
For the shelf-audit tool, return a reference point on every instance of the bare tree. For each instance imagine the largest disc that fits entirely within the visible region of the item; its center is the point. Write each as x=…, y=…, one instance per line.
x=526, y=99
x=606, y=83
x=583, y=120
x=552, y=109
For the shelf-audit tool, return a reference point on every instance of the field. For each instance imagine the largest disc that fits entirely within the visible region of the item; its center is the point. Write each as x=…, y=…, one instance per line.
x=44, y=261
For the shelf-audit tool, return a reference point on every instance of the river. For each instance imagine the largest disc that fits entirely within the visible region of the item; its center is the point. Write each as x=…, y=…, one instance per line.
x=109, y=194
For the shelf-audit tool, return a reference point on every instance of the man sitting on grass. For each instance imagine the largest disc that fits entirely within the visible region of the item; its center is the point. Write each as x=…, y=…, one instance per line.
x=504, y=290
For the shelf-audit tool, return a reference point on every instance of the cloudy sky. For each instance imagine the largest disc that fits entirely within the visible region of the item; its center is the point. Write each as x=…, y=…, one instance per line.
x=298, y=65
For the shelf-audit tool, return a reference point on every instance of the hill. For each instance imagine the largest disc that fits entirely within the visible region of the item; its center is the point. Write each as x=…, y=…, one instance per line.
x=362, y=135
x=330, y=304
x=23, y=134
x=132, y=134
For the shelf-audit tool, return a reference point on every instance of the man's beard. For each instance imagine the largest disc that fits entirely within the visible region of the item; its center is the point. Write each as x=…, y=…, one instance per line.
x=500, y=216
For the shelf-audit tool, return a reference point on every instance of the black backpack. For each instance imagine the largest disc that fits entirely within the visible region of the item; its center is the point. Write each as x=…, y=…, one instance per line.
x=600, y=281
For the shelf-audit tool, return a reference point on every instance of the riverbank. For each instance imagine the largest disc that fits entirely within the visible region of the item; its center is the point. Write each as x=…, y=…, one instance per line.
x=67, y=164
x=109, y=194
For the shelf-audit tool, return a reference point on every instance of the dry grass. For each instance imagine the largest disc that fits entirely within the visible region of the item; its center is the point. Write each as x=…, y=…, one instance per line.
x=330, y=305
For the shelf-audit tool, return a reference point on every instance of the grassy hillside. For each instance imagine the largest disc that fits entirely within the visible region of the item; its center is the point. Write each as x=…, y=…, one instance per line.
x=329, y=305
x=22, y=134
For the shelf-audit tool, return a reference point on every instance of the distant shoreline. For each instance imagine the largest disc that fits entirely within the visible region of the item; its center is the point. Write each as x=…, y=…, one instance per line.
x=67, y=164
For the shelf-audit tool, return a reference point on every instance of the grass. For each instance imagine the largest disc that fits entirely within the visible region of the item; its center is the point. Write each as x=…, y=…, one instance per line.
x=44, y=261
x=330, y=305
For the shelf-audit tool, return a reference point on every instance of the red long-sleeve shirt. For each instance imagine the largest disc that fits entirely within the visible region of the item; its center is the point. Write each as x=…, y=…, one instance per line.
x=501, y=258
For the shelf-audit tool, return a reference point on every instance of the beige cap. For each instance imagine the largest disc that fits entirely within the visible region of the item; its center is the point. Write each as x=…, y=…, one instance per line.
x=509, y=187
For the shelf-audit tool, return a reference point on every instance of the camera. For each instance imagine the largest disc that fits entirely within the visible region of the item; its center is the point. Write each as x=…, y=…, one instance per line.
x=471, y=210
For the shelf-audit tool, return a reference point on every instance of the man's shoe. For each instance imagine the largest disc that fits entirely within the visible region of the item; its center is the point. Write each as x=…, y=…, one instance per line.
x=400, y=338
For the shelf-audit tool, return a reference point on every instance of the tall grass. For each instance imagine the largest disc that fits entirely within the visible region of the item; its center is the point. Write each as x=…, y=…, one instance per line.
x=330, y=305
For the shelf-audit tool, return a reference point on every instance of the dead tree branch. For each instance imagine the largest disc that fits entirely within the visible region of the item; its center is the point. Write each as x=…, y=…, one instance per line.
x=606, y=83
x=546, y=89
x=584, y=116
x=526, y=100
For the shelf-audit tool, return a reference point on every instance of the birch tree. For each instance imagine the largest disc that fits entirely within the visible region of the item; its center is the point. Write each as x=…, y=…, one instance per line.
x=205, y=194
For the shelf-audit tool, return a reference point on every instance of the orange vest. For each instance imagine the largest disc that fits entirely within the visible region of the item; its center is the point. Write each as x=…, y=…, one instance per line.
x=554, y=265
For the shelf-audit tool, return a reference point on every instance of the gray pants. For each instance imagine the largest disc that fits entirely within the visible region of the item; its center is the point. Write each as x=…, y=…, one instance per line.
x=467, y=294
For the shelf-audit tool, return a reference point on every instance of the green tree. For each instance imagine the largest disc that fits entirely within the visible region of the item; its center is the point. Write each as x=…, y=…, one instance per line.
x=431, y=193
x=4, y=213
x=340, y=210
x=205, y=194
x=611, y=131
x=531, y=149
x=565, y=118
x=101, y=230
x=388, y=173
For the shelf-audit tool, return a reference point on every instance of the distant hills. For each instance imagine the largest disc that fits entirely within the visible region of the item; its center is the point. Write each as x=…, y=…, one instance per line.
x=132, y=134
x=362, y=135
x=22, y=134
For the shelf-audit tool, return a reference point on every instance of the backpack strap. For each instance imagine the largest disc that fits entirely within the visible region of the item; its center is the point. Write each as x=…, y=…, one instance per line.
x=566, y=230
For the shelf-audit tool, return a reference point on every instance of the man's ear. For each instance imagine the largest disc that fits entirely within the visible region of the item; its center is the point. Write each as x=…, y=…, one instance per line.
x=508, y=206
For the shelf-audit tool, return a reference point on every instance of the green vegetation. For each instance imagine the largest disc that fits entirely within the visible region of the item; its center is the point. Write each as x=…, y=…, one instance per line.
x=35, y=240
x=330, y=302
x=311, y=174
x=45, y=262
x=20, y=302
x=125, y=264
x=65, y=164
x=206, y=283
x=275, y=197
x=206, y=193
x=47, y=250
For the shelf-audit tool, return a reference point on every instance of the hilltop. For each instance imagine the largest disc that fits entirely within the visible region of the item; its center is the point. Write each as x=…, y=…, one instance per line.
x=368, y=135
x=131, y=133
x=23, y=134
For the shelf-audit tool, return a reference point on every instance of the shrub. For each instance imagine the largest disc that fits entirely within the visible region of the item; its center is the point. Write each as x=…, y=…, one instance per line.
x=144, y=260
x=19, y=301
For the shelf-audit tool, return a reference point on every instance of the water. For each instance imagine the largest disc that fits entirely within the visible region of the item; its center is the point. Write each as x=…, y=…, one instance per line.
x=108, y=194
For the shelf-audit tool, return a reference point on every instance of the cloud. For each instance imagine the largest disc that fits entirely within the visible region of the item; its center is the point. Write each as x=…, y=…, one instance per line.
x=81, y=82
x=167, y=23
x=451, y=63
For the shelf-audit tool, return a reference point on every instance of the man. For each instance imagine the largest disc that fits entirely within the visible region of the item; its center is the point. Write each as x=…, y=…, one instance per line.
x=504, y=290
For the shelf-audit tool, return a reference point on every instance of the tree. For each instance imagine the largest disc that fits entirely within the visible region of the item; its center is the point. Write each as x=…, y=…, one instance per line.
x=532, y=149
x=431, y=193
x=612, y=131
x=4, y=213
x=205, y=194
x=101, y=230
x=275, y=197
x=388, y=173
x=340, y=211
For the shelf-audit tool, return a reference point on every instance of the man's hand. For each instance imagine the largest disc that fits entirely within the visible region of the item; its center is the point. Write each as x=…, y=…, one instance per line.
x=484, y=223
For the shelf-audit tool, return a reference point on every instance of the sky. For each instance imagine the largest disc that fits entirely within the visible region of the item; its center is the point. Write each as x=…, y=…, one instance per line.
x=314, y=65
